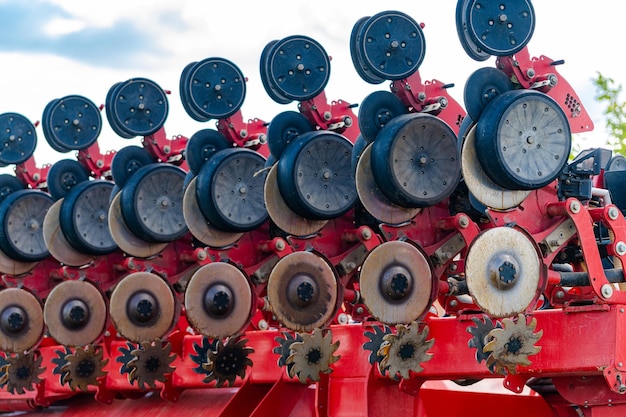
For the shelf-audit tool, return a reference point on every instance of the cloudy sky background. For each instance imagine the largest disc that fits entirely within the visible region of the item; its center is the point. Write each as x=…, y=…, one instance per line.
x=53, y=48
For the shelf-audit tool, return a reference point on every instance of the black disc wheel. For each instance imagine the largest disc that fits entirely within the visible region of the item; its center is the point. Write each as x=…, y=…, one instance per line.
x=360, y=65
x=500, y=28
x=201, y=146
x=216, y=88
x=616, y=163
x=84, y=217
x=46, y=126
x=263, y=69
x=462, y=28
x=139, y=107
x=63, y=175
x=392, y=45
x=284, y=128
x=298, y=67
x=376, y=110
x=230, y=190
x=73, y=122
x=114, y=122
x=615, y=179
x=483, y=86
x=523, y=140
x=127, y=161
x=184, y=94
x=18, y=138
x=21, y=218
x=359, y=145
x=415, y=160
x=315, y=176
x=9, y=184
x=152, y=203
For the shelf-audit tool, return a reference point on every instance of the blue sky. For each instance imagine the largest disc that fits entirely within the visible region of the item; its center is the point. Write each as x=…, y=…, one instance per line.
x=50, y=49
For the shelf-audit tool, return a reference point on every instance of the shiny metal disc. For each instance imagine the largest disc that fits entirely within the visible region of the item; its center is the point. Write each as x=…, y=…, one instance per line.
x=75, y=313
x=396, y=282
x=503, y=271
x=57, y=244
x=143, y=307
x=21, y=320
x=480, y=185
x=218, y=300
x=302, y=291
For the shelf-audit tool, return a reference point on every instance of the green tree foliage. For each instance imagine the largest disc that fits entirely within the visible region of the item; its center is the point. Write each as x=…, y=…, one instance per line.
x=615, y=111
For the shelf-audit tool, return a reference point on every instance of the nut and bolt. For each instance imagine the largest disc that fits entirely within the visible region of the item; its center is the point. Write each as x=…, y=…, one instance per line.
x=342, y=318
x=366, y=234
x=574, y=206
x=263, y=325
x=613, y=213
x=280, y=244
x=606, y=290
x=463, y=222
x=620, y=248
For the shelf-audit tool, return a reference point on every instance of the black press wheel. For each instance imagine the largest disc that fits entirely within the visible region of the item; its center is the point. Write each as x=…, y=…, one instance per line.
x=9, y=184
x=63, y=175
x=284, y=128
x=264, y=72
x=376, y=110
x=315, y=176
x=185, y=97
x=469, y=46
x=152, y=203
x=139, y=107
x=72, y=122
x=18, y=138
x=229, y=190
x=21, y=218
x=523, y=140
x=415, y=160
x=127, y=161
x=360, y=65
x=84, y=217
x=114, y=122
x=202, y=145
x=482, y=86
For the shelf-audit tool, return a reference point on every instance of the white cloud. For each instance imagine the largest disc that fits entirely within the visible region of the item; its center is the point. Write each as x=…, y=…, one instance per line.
x=59, y=26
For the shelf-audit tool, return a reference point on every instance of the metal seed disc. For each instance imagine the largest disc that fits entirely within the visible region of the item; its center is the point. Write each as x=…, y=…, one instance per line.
x=503, y=271
x=498, y=27
x=218, y=300
x=21, y=320
x=298, y=67
x=75, y=313
x=83, y=217
x=392, y=45
x=140, y=106
x=315, y=175
x=74, y=122
x=21, y=218
x=264, y=70
x=462, y=29
x=10, y=266
x=57, y=244
x=229, y=190
x=396, y=282
x=481, y=187
x=143, y=307
x=523, y=140
x=302, y=291
x=280, y=213
x=482, y=86
x=415, y=160
x=152, y=203
x=361, y=67
x=18, y=138
x=376, y=110
x=373, y=199
x=217, y=88
x=126, y=240
x=198, y=225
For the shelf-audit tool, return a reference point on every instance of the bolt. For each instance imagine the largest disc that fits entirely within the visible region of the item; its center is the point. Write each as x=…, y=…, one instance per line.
x=454, y=303
x=167, y=149
x=359, y=310
x=421, y=96
x=620, y=248
x=606, y=290
x=327, y=115
x=342, y=318
x=613, y=213
x=263, y=325
x=243, y=133
x=99, y=163
x=463, y=222
x=553, y=79
x=347, y=121
x=574, y=207
x=201, y=255
x=280, y=244
x=530, y=73
x=560, y=294
x=366, y=234
x=453, y=267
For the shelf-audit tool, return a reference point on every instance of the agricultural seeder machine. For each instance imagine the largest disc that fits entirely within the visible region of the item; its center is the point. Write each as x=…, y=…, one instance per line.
x=344, y=259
